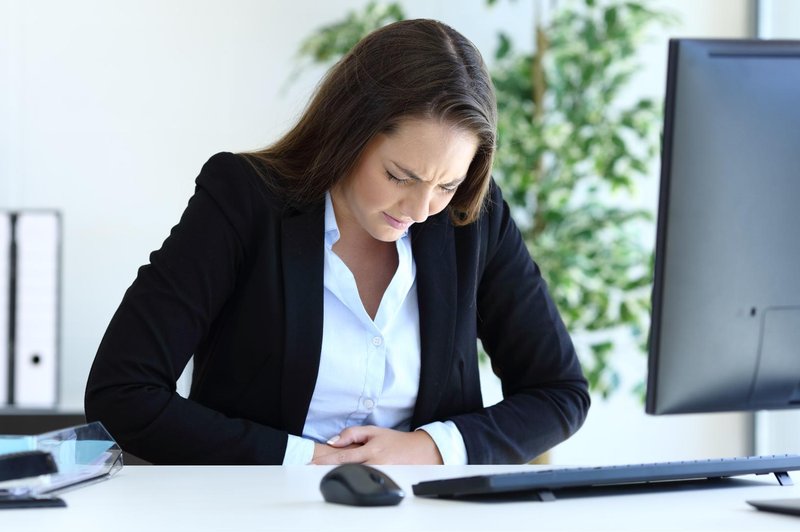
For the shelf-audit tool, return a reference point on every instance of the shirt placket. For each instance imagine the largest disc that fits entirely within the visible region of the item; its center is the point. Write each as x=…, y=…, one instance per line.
x=375, y=373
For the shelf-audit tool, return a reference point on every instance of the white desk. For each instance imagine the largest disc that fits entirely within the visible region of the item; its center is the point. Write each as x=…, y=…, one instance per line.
x=150, y=498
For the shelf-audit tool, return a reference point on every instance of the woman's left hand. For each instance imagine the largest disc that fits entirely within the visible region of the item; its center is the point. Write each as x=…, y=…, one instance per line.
x=381, y=446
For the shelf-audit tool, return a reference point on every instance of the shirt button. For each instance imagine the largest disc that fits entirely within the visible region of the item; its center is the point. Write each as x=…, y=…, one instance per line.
x=377, y=340
x=369, y=404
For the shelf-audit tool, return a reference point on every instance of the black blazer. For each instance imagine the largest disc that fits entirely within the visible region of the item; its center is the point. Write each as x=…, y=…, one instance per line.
x=239, y=284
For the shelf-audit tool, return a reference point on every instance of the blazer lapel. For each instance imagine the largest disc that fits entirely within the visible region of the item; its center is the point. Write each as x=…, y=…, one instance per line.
x=435, y=257
x=303, y=256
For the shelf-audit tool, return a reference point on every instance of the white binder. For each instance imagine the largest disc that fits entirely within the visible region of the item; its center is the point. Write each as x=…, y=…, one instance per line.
x=37, y=237
x=5, y=285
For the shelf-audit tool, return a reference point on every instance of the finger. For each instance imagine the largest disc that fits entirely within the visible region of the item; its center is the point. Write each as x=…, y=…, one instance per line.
x=352, y=435
x=341, y=441
x=345, y=456
x=336, y=441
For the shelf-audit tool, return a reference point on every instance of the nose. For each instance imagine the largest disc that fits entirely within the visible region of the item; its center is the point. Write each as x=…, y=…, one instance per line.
x=417, y=203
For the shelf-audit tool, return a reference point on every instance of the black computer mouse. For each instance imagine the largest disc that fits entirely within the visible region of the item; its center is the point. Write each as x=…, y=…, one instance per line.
x=360, y=485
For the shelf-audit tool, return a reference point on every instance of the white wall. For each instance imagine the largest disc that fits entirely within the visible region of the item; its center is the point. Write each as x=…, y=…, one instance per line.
x=108, y=109
x=779, y=19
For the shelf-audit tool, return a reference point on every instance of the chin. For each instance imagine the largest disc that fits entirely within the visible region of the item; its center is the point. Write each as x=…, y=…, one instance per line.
x=387, y=234
x=389, y=237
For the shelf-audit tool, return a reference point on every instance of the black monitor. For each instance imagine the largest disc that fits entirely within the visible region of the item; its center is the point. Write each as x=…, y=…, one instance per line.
x=725, y=332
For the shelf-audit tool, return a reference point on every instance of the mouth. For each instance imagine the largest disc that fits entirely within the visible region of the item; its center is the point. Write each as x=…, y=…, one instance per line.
x=397, y=224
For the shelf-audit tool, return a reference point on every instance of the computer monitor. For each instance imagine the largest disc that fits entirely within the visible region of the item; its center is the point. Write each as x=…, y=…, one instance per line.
x=725, y=332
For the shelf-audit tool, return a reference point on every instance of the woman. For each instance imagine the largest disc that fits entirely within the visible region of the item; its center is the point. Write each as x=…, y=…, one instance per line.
x=332, y=287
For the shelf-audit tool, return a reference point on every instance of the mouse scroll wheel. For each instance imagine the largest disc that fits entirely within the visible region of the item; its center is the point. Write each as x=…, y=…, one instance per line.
x=377, y=478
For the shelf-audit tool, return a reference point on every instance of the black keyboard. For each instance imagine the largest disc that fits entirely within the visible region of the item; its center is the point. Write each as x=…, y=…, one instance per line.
x=546, y=482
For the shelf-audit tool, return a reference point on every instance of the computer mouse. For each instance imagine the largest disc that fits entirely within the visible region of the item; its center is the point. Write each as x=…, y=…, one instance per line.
x=360, y=485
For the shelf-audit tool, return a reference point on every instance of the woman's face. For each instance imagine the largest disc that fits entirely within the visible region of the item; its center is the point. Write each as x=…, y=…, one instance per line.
x=402, y=178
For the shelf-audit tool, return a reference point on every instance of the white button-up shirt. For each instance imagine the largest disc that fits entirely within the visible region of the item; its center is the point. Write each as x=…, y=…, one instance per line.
x=369, y=369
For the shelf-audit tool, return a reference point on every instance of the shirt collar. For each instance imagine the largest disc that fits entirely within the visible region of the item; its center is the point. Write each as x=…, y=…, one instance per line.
x=331, y=227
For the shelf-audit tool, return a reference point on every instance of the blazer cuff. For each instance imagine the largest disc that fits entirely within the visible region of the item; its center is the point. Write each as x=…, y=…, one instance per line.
x=299, y=451
x=448, y=440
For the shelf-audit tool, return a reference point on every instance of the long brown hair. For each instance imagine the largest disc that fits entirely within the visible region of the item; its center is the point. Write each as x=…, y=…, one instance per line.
x=409, y=69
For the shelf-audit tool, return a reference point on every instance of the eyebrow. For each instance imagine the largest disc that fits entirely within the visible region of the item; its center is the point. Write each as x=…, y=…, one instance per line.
x=412, y=175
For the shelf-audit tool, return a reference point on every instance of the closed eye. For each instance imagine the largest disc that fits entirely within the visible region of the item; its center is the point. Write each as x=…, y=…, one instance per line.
x=398, y=180
x=446, y=188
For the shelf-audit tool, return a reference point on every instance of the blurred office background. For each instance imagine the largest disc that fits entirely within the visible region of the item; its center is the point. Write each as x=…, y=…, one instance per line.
x=108, y=109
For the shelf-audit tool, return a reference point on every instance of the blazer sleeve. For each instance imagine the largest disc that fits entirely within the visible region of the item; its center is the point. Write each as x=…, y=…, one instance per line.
x=162, y=319
x=546, y=396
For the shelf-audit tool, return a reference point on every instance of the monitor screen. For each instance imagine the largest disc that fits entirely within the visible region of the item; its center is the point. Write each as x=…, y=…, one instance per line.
x=725, y=332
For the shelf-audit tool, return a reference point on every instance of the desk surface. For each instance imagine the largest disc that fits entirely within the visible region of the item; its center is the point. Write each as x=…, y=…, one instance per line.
x=151, y=498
